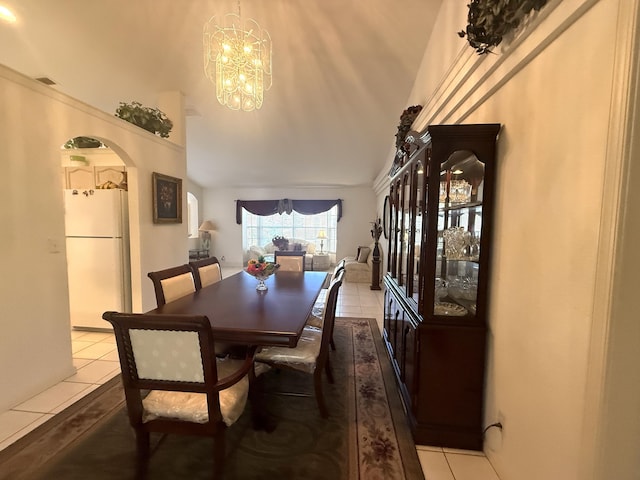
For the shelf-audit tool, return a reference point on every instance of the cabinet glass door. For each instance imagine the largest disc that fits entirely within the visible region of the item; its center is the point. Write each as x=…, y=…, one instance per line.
x=392, y=236
x=396, y=226
x=419, y=224
x=459, y=235
x=405, y=228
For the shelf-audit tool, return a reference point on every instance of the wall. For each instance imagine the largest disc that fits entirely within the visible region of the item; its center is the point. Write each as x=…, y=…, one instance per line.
x=36, y=120
x=196, y=190
x=358, y=209
x=551, y=87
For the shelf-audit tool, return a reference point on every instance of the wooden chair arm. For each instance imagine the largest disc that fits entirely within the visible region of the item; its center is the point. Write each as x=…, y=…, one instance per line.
x=235, y=377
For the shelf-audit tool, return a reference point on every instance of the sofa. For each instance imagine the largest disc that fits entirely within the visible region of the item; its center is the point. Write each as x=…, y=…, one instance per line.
x=358, y=268
x=255, y=251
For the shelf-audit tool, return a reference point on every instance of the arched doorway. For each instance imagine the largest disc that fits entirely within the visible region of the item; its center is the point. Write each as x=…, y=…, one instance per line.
x=95, y=190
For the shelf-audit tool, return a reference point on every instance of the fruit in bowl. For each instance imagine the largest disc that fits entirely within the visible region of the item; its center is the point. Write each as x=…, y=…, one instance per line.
x=262, y=270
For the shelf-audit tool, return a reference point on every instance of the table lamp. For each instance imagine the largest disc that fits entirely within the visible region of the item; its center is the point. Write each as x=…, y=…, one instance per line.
x=322, y=235
x=206, y=227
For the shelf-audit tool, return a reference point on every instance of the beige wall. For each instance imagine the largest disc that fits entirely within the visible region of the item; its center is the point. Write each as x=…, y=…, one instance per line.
x=358, y=209
x=196, y=190
x=35, y=120
x=552, y=89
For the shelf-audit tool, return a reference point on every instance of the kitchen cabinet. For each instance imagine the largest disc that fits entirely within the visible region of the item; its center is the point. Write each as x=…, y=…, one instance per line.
x=89, y=177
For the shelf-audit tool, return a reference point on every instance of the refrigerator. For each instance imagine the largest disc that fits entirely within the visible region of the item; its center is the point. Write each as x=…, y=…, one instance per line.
x=98, y=265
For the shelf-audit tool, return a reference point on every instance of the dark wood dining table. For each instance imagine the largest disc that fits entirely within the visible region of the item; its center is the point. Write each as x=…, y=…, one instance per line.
x=240, y=314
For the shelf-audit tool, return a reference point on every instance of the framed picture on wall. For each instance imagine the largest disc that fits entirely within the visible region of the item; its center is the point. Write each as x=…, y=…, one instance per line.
x=167, y=199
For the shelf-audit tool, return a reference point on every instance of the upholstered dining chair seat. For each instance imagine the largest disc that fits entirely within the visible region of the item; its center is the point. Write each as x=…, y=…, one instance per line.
x=302, y=357
x=192, y=407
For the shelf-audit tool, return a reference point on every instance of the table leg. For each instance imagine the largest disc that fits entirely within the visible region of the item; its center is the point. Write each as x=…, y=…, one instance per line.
x=259, y=416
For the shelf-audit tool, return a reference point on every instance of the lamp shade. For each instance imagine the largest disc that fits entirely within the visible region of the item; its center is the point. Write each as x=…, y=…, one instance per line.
x=207, y=226
x=322, y=234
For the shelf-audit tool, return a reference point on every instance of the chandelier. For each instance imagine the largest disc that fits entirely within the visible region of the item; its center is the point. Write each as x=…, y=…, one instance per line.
x=237, y=58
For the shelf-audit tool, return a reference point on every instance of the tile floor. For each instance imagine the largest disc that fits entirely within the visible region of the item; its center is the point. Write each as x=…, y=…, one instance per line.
x=96, y=361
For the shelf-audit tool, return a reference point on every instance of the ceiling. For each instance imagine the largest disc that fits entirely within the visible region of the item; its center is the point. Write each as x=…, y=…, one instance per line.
x=342, y=74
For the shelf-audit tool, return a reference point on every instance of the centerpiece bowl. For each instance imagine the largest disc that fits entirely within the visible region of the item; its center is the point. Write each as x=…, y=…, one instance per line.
x=261, y=270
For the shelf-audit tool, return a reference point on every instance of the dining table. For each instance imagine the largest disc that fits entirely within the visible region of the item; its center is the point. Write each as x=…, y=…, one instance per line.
x=243, y=315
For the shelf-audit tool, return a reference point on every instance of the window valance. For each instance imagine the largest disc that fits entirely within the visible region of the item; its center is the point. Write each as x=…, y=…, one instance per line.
x=286, y=205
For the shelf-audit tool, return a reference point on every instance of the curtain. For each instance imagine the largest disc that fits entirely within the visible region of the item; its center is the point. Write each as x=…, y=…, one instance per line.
x=285, y=205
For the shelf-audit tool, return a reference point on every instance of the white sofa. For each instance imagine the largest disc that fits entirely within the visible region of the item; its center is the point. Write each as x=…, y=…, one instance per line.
x=255, y=251
x=360, y=271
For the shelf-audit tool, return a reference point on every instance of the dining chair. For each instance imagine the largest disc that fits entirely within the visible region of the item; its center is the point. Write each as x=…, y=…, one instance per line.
x=289, y=261
x=206, y=272
x=311, y=355
x=172, y=283
x=175, y=282
x=173, y=381
x=315, y=319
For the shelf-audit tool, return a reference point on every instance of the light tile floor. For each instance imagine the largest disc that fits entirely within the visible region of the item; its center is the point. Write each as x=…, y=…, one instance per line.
x=96, y=361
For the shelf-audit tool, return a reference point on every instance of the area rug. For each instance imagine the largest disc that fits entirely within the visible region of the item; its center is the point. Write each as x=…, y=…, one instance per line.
x=365, y=437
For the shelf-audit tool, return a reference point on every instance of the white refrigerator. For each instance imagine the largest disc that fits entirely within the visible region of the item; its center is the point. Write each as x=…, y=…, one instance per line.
x=98, y=265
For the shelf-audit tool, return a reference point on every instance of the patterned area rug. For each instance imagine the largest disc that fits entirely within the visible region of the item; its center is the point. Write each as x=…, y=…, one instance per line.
x=365, y=437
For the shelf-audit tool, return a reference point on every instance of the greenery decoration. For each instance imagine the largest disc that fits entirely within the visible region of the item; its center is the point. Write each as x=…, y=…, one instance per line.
x=151, y=119
x=406, y=120
x=490, y=20
x=83, y=142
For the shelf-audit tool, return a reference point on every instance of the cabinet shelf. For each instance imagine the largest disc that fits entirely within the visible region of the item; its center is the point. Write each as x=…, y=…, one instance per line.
x=435, y=311
x=444, y=206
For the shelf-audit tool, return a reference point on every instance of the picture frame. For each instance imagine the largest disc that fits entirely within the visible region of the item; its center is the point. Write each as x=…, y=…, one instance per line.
x=167, y=198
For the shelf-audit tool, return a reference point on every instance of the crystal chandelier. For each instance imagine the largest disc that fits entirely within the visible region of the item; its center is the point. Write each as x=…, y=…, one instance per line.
x=237, y=58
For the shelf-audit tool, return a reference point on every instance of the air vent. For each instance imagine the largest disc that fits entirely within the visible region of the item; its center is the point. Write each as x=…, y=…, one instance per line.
x=46, y=80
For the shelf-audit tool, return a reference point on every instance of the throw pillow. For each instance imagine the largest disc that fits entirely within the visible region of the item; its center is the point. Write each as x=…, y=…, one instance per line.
x=363, y=254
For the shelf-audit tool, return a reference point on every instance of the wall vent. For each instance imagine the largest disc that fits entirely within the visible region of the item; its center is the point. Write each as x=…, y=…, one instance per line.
x=46, y=80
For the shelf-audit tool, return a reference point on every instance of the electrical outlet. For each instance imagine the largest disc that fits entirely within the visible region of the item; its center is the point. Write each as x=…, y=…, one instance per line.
x=493, y=435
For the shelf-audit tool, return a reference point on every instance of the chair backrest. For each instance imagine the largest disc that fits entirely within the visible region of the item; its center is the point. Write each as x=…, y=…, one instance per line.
x=290, y=261
x=172, y=283
x=329, y=313
x=339, y=267
x=165, y=352
x=206, y=272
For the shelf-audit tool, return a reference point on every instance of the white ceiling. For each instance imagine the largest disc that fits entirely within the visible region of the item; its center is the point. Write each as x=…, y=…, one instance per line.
x=342, y=74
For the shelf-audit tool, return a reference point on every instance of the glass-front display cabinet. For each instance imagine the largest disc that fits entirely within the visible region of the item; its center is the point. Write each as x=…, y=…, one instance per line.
x=438, y=222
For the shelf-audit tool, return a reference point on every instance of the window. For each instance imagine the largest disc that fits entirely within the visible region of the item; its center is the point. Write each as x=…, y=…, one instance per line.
x=192, y=215
x=259, y=230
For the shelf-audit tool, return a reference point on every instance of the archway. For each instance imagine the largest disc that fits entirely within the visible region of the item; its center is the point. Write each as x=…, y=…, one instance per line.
x=101, y=218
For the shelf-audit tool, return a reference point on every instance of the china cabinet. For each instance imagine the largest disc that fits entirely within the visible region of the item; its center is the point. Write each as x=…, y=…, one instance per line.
x=438, y=223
